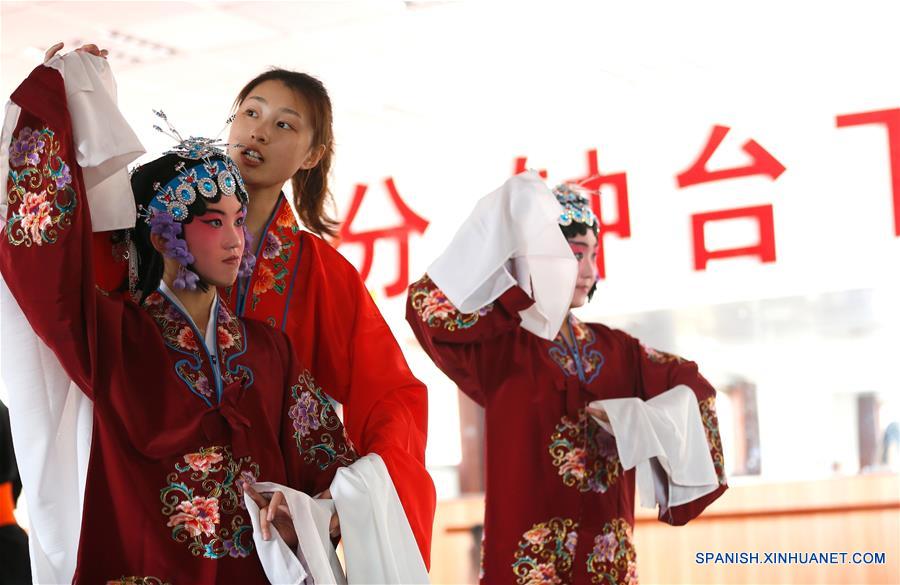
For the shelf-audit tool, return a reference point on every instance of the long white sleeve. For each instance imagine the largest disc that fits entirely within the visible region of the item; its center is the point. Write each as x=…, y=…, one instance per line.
x=52, y=420
x=512, y=237
x=664, y=439
x=105, y=143
x=379, y=546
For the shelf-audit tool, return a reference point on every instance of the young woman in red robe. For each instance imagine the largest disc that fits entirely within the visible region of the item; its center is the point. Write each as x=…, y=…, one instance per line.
x=304, y=287
x=301, y=285
x=559, y=504
x=191, y=402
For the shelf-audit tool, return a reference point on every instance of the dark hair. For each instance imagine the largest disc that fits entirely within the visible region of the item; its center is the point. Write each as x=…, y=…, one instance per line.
x=575, y=229
x=310, y=186
x=143, y=184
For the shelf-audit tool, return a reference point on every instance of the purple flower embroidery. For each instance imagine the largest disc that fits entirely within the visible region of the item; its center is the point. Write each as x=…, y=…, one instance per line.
x=202, y=386
x=305, y=414
x=248, y=260
x=172, y=313
x=224, y=317
x=272, y=247
x=246, y=478
x=605, y=547
x=63, y=177
x=571, y=542
x=26, y=148
x=233, y=550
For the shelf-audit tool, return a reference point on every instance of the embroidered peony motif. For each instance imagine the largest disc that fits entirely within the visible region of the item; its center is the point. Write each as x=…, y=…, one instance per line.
x=186, y=339
x=312, y=411
x=436, y=310
x=204, y=505
x=26, y=148
x=36, y=215
x=545, y=553
x=199, y=516
x=273, y=259
x=612, y=560
x=305, y=414
x=265, y=279
x=585, y=454
x=39, y=187
x=286, y=217
x=224, y=338
x=542, y=574
x=202, y=461
x=537, y=535
x=271, y=246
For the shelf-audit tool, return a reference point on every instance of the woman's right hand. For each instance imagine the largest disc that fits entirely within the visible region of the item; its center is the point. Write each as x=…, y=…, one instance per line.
x=274, y=513
x=89, y=48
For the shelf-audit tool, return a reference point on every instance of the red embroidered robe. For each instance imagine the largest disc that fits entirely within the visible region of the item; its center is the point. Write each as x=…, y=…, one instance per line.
x=303, y=286
x=558, y=506
x=176, y=430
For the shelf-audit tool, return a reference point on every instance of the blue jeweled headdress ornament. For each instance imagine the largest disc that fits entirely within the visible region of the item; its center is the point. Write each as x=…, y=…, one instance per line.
x=217, y=173
x=576, y=207
x=164, y=190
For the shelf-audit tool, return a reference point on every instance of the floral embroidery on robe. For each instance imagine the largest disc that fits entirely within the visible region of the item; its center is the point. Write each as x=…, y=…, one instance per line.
x=585, y=454
x=436, y=310
x=320, y=437
x=273, y=257
x=545, y=553
x=612, y=560
x=39, y=187
x=204, y=503
x=180, y=335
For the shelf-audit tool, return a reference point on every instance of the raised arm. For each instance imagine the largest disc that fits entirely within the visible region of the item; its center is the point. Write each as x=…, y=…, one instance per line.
x=45, y=248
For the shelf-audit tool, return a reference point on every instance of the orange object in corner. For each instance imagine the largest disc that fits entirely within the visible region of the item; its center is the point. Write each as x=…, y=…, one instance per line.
x=6, y=504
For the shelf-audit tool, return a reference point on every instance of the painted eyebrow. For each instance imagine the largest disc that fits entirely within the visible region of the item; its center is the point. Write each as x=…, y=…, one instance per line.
x=222, y=213
x=285, y=110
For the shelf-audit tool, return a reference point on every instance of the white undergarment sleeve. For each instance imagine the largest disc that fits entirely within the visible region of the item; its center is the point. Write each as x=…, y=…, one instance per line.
x=664, y=439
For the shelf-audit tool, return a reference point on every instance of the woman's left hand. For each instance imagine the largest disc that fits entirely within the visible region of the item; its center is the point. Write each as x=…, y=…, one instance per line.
x=89, y=48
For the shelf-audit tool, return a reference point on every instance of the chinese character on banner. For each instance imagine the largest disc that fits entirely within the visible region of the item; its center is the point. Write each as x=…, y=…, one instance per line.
x=411, y=223
x=593, y=181
x=891, y=121
x=762, y=163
